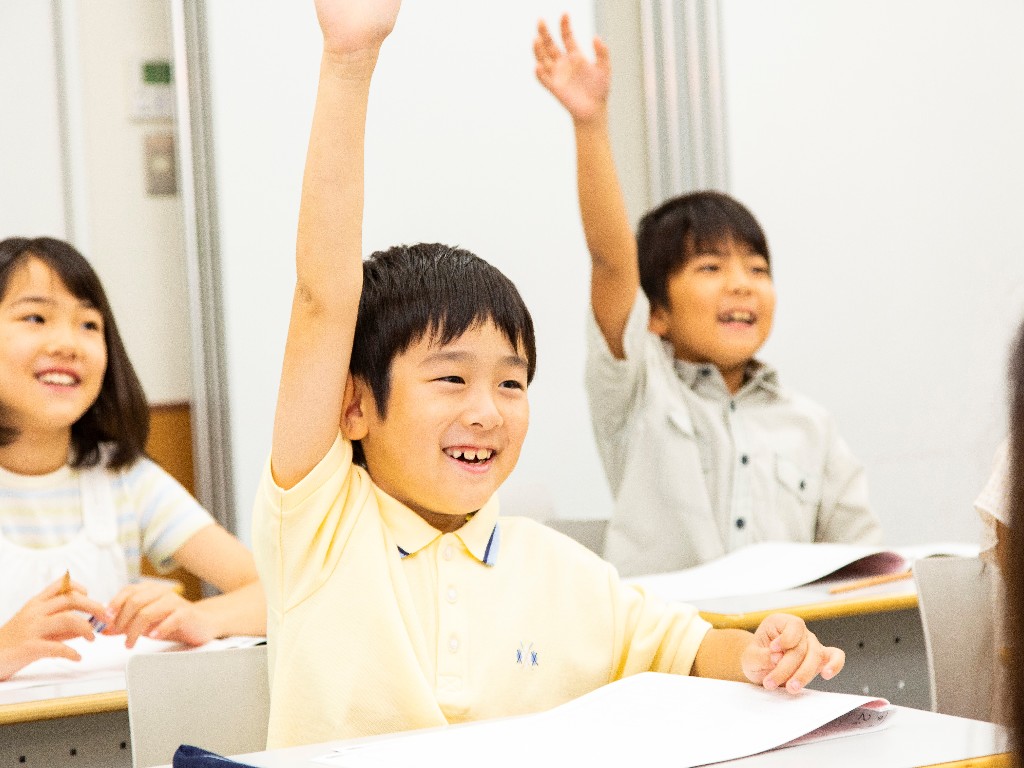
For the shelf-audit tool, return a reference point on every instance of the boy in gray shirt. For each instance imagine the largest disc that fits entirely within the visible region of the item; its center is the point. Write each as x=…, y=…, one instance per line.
x=705, y=452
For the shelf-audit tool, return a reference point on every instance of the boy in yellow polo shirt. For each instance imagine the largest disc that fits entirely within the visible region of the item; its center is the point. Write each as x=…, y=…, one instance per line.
x=397, y=598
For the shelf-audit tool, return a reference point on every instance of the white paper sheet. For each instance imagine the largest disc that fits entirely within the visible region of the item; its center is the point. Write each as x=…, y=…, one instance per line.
x=645, y=719
x=104, y=657
x=776, y=566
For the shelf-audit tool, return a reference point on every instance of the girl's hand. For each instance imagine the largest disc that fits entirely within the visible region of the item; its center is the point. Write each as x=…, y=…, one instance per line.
x=355, y=26
x=44, y=623
x=579, y=84
x=154, y=609
x=785, y=653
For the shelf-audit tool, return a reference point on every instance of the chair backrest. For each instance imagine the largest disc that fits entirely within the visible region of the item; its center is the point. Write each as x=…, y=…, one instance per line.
x=589, y=533
x=219, y=700
x=957, y=601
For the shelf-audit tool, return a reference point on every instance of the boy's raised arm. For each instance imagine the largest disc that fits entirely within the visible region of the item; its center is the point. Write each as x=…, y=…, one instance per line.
x=328, y=252
x=582, y=87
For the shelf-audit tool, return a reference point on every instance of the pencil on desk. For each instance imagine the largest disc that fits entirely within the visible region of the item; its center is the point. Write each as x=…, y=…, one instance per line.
x=870, y=582
x=65, y=585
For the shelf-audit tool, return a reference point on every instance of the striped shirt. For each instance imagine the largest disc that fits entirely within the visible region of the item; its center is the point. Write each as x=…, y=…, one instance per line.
x=155, y=514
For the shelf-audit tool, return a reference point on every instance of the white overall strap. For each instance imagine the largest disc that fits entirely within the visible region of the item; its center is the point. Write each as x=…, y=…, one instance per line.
x=109, y=572
x=93, y=555
x=99, y=513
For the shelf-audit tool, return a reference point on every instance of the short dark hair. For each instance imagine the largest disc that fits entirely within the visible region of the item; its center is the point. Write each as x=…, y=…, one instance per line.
x=1014, y=580
x=435, y=291
x=120, y=414
x=671, y=234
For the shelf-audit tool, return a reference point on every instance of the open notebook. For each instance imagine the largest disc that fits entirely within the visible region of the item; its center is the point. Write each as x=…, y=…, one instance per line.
x=777, y=565
x=644, y=719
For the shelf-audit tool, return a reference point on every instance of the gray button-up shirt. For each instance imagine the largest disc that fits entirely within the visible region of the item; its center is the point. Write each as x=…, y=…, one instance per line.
x=697, y=471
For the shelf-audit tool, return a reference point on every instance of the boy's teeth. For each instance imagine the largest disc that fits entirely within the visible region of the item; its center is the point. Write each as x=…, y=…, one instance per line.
x=470, y=455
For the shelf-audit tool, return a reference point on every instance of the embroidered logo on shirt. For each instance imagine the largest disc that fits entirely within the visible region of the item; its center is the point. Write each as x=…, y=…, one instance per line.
x=526, y=656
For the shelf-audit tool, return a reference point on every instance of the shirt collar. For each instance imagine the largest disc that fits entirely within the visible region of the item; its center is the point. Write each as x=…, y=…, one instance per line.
x=759, y=376
x=412, y=533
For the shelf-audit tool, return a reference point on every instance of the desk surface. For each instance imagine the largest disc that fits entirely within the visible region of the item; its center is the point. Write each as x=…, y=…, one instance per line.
x=47, y=702
x=914, y=738
x=811, y=602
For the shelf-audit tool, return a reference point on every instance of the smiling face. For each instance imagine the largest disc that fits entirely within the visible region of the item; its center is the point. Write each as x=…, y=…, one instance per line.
x=52, y=354
x=721, y=306
x=456, y=420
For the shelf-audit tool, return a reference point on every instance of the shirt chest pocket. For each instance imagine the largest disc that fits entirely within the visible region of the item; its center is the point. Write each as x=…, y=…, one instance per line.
x=797, y=488
x=797, y=495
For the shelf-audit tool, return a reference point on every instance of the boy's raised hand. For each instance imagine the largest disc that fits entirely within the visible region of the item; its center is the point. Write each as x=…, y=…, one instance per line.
x=579, y=84
x=354, y=26
x=785, y=653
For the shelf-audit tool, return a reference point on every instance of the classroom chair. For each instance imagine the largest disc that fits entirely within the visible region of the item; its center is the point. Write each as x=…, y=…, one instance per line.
x=219, y=700
x=589, y=533
x=957, y=600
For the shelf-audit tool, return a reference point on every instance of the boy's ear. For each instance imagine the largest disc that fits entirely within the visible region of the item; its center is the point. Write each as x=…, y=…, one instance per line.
x=355, y=406
x=658, y=322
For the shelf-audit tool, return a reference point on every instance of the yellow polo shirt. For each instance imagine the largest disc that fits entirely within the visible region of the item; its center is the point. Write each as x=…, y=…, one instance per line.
x=378, y=622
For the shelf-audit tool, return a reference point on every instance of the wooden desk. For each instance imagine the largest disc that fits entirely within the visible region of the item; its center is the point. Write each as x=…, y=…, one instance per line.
x=914, y=738
x=811, y=602
x=878, y=627
x=84, y=724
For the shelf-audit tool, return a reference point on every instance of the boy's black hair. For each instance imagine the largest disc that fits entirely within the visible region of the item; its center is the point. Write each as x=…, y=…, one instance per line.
x=435, y=291
x=120, y=414
x=671, y=234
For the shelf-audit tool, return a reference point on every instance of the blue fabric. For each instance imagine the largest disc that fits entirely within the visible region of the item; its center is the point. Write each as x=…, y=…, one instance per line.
x=188, y=756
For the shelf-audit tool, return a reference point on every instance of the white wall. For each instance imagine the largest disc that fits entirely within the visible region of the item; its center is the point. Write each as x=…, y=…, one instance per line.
x=879, y=143
x=463, y=147
x=134, y=240
x=31, y=180
x=876, y=141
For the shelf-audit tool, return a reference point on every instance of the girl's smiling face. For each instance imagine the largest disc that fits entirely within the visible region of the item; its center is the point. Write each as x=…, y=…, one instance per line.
x=53, y=355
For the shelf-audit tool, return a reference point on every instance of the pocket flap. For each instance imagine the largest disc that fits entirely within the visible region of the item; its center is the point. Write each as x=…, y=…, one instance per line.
x=681, y=418
x=801, y=484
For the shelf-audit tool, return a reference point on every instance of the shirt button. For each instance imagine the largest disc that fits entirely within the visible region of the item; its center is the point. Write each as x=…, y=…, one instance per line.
x=740, y=522
x=732, y=405
x=452, y=594
x=744, y=459
x=803, y=484
x=705, y=371
x=448, y=552
x=453, y=644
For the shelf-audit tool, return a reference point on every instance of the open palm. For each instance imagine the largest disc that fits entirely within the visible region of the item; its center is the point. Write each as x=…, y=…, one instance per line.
x=579, y=84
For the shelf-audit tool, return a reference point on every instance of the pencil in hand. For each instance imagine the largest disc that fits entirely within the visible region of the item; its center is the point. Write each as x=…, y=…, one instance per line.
x=98, y=625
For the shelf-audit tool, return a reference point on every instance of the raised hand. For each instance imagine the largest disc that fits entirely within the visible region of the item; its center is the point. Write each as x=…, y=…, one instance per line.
x=153, y=609
x=579, y=84
x=39, y=630
x=355, y=26
x=785, y=653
